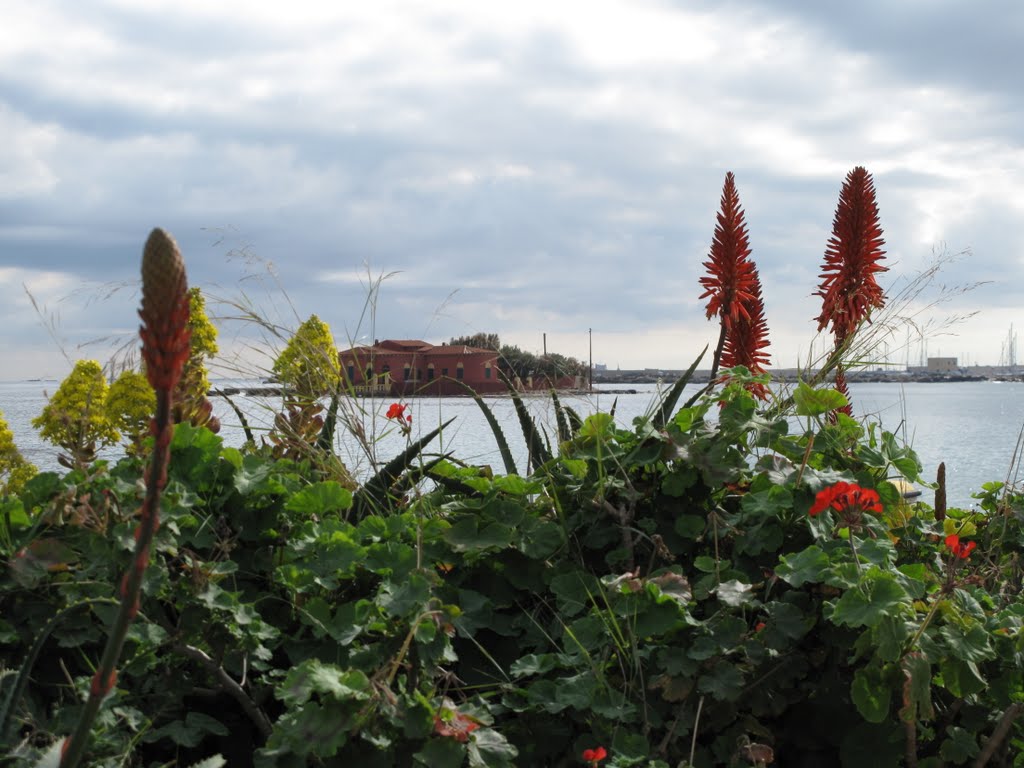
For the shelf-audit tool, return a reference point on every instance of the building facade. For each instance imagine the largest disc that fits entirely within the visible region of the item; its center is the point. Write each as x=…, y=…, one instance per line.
x=413, y=367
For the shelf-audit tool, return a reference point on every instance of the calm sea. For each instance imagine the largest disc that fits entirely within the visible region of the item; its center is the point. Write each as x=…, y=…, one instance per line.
x=972, y=426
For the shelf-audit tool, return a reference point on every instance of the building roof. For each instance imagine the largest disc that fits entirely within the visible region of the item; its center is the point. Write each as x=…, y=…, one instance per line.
x=414, y=347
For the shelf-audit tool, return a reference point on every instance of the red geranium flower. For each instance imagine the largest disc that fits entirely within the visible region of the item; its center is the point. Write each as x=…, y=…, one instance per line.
x=594, y=756
x=457, y=726
x=960, y=550
x=847, y=499
x=396, y=411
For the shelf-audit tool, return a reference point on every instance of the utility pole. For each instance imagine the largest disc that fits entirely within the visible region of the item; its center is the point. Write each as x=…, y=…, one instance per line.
x=590, y=336
x=545, y=344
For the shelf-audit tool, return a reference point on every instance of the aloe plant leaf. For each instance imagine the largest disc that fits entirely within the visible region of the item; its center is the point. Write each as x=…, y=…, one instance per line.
x=496, y=430
x=564, y=432
x=325, y=440
x=373, y=494
x=241, y=418
x=668, y=403
x=539, y=454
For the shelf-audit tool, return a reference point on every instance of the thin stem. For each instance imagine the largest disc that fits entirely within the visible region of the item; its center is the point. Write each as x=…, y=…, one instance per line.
x=696, y=725
x=924, y=624
x=230, y=685
x=998, y=735
x=910, y=747
x=103, y=679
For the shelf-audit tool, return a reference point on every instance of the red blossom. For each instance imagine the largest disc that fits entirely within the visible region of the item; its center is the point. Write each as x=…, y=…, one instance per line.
x=961, y=550
x=594, y=756
x=729, y=283
x=396, y=411
x=848, y=288
x=733, y=290
x=759, y=626
x=846, y=498
x=748, y=338
x=456, y=726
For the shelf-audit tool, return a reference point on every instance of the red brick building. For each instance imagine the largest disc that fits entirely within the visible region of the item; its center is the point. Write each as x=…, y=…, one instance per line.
x=413, y=367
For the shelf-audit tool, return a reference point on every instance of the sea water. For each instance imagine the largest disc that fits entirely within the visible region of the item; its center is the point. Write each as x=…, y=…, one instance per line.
x=971, y=426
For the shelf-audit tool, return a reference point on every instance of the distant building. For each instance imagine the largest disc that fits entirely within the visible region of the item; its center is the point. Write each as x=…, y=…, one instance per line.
x=941, y=365
x=398, y=367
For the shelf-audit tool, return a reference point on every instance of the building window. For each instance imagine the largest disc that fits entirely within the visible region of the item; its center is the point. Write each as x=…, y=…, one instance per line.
x=430, y=372
x=407, y=371
x=369, y=372
x=385, y=369
x=487, y=371
x=351, y=372
x=460, y=372
x=444, y=371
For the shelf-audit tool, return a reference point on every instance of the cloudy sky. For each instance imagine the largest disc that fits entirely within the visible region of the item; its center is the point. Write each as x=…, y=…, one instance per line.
x=421, y=170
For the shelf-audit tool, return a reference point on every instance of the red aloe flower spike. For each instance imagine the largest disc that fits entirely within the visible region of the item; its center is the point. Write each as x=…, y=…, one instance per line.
x=165, y=348
x=748, y=338
x=728, y=284
x=848, y=289
x=164, y=311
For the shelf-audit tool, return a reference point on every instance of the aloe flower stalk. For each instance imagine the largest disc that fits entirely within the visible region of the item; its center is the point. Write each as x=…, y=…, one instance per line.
x=849, y=289
x=733, y=290
x=165, y=348
x=748, y=338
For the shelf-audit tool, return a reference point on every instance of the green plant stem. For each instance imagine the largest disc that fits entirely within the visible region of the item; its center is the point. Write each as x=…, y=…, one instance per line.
x=230, y=685
x=998, y=735
x=18, y=690
x=910, y=747
x=924, y=624
x=75, y=746
x=853, y=548
x=696, y=726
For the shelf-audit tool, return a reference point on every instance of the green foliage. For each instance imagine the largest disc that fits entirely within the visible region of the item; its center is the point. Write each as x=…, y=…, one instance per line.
x=653, y=589
x=130, y=405
x=308, y=365
x=520, y=364
x=15, y=471
x=190, y=396
x=75, y=418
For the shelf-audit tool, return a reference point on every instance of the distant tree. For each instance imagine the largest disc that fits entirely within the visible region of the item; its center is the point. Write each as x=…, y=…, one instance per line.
x=75, y=418
x=15, y=471
x=130, y=405
x=308, y=366
x=520, y=364
x=479, y=340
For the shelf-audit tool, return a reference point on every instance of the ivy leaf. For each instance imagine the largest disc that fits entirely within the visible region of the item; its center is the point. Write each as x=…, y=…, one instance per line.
x=319, y=499
x=807, y=566
x=970, y=646
x=960, y=746
x=870, y=694
x=867, y=605
x=489, y=749
x=773, y=502
x=441, y=753
x=315, y=677
x=815, y=402
x=468, y=535
x=690, y=526
x=917, y=689
x=724, y=682
x=961, y=678
x=734, y=593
